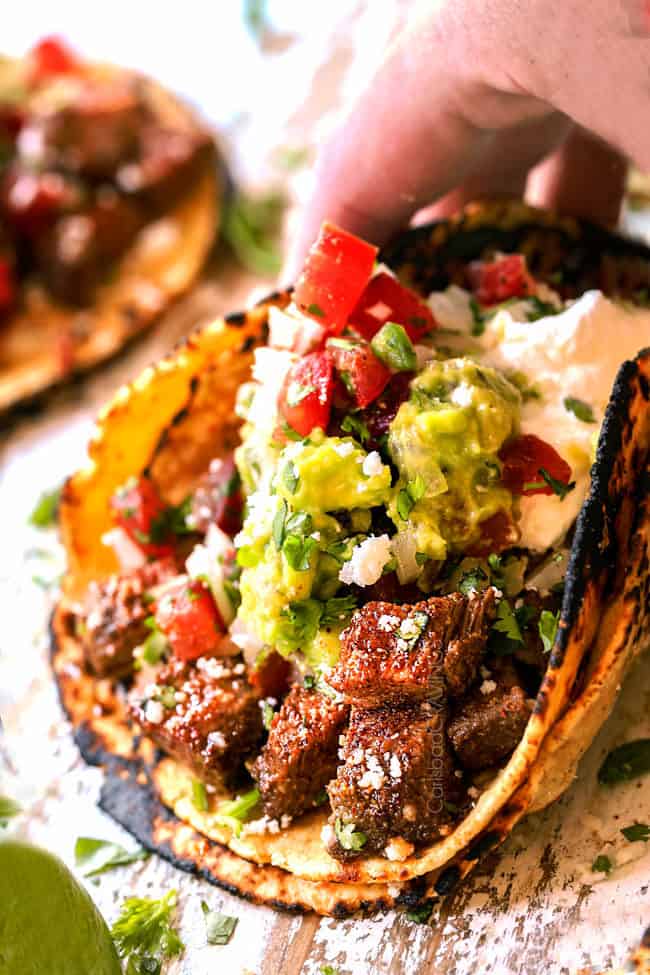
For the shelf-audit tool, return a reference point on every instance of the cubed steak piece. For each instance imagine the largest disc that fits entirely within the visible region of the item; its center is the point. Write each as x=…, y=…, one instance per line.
x=205, y=714
x=397, y=784
x=300, y=756
x=392, y=653
x=95, y=129
x=489, y=723
x=167, y=162
x=112, y=622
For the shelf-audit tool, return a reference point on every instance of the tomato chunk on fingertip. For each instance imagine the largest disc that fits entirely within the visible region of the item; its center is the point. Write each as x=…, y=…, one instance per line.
x=336, y=271
x=139, y=511
x=51, y=56
x=305, y=400
x=190, y=619
x=523, y=460
x=495, y=281
x=385, y=299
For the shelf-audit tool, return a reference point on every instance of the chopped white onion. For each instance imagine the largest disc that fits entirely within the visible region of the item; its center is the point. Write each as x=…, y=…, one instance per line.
x=129, y=555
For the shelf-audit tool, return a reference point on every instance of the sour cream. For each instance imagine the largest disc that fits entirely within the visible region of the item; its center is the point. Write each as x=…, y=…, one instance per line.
x=576, y=353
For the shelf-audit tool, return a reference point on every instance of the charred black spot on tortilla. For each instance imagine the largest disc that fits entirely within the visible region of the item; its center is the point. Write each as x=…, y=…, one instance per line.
x=447, y=880
x=486, y=843
x=237, y=318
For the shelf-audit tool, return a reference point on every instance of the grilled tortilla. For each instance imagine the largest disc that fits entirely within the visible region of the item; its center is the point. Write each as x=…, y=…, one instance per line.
x=179, y=414
x=44, y=338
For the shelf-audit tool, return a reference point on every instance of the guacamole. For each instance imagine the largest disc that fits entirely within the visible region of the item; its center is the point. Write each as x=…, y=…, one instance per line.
x=444, y=442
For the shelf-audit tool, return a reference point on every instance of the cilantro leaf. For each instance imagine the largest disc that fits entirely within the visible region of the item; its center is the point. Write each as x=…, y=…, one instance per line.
x=580, y=409
x=560, y=488
x=98, y=856
x=45, y=512
x=626, y=762
x=298, y=552
x=267, y=715
x=356, y=428
x=336, y=609
x=548, y=627
x=602, y=864
x=144, y=934
x=290, y=477
x=478, y=318
x=409, y=496
x=349, y=836
x=472, y=580
x=421, y=914
x=506, y=631
x=219, y=928
x=636, y=832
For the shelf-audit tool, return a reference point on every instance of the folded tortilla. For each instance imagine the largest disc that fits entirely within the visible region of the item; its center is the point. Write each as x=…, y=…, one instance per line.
x=179, y=414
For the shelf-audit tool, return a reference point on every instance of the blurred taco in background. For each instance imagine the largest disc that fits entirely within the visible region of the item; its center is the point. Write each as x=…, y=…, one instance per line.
x=355, y=576
x=110, y=196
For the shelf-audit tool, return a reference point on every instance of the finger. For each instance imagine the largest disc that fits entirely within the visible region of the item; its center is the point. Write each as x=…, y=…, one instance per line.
x=584, y=177
x=504, y=167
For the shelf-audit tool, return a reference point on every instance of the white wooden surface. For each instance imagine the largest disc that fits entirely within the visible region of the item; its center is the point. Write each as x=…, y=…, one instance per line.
x=536, y=907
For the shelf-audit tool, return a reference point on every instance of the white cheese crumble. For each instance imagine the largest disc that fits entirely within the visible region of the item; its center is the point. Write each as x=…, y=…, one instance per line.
x=462, y=395
x=154, y=712
x=367, y=561
x=395, y=768
x=372, y=464
x=327, y=834
x=344, y=449
x=398, y=848
x=488, y=686
x=217, y=738
x=388, y=623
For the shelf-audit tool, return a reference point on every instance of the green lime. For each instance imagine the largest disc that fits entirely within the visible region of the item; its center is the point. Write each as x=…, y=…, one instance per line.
x=48, y=923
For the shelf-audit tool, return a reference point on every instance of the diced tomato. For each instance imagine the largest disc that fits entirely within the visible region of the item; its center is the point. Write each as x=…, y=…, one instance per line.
x=33, y=200
x=497, y=534
x=363, y=374
x=306, y=396
x=140, y=512
x=335, y=274
x=496, y=281
x=51, y=56
x=386, y=300
x=7, y=285
x=271, y=677
x=189, y=618
x=523, y=460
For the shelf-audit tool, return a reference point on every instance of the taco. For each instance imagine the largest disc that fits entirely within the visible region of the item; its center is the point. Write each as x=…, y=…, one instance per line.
x=109, y=203
x=353, y=577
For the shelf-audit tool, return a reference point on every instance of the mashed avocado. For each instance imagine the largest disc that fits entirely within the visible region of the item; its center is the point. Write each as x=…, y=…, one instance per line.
x=292, y=549
x=444, y=442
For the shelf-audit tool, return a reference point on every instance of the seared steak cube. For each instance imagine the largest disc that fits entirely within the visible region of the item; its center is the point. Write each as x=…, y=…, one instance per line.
x=205, y=714
x=300, y=756
x=488, y=724
x=168, y=160
x=93, y=132
x=393, y=653
x=112, y=623
x=397, y=782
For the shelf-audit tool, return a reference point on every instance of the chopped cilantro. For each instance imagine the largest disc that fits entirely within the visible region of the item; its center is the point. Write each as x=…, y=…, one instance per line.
x=394, y=348
x=636, y=833
x=409, y=496
x=300, y=621
x=144, y=935
x=267, y=715
x=337, y=609
x=421, y=914
x=602, y=864
x=506, y=631
x=356, y=428
x=349, y=836
x=580, y=409
x=421, y=558
x=561, y=488
x=548, y=626
x=540, y=309
x=316, y=310
x=167, y=696
x=626, y=762
x=219, y=928
x=97, y=856
x=309, y=682
x=199, y=795
x=278, y=524
x=478, y=318
x=328, y=970
x=298, y=551
x=234, y=813
x=154, y=648
x=412, y=627
x=290, y=477
x=46, y=509
x=473, y=580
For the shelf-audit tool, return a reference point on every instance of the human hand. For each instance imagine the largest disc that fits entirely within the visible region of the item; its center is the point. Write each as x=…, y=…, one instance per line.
x=468, y=99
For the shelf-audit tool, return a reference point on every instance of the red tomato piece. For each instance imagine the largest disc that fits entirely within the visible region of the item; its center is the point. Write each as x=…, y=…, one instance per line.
x=33, y=200
x=188, y=616
x=363, y=374
x=523, y=460
x=336, y=271
x=51, y=56
x=496, y=281
x=306, y=397
x=7, y=285
x=497, y=534
x=140, y=511
x=386, y=300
